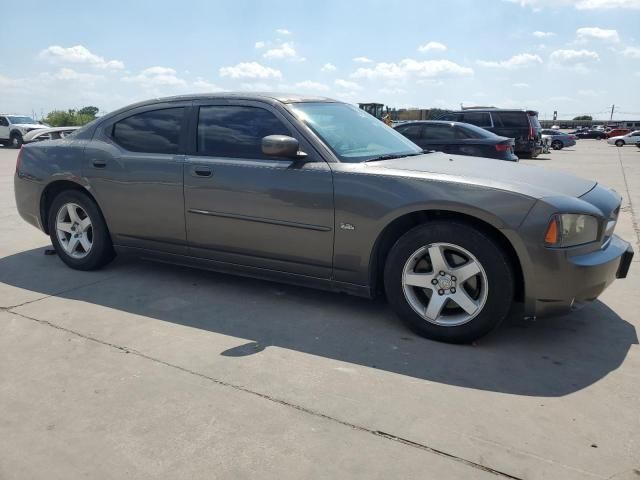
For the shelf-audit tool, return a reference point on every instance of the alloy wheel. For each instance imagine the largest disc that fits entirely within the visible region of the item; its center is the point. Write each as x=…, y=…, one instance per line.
x=445, y=284
x=74, y=230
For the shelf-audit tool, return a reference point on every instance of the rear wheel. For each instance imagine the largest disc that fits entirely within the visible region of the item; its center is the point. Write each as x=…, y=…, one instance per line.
x=557, y=145
x=78, y=232
x=619, y=143
x=449, y=281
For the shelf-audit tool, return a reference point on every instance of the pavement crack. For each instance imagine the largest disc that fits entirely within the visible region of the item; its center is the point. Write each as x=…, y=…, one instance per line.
x=270, y=398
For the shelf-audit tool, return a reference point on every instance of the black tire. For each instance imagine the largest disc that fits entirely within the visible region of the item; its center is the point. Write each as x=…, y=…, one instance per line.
x=619, y=143
x=500, y=279
x=15, y=140
x=101, y=252
x=557, y=145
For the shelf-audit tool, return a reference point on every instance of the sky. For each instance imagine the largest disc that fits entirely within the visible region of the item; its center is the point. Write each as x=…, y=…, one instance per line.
x=572, y=56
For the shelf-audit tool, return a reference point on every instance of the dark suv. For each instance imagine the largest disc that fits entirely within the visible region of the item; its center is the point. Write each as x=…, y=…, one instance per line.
x=521, y=125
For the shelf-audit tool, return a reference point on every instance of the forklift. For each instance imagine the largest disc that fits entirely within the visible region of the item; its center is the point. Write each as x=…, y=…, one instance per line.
x=378, y=111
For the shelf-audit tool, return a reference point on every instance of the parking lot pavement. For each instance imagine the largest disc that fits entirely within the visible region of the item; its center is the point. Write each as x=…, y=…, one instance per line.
x=153, y=371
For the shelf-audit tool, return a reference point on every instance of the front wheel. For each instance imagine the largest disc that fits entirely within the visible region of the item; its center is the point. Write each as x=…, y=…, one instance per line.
x=78, y=231
x=557, y=145
x=449, y=281
x=619, y=143
x=15, y=141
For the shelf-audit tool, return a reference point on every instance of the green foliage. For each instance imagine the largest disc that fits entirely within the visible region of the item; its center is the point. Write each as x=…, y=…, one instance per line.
x=89, y=110
x=583, y=117
x=71, y=118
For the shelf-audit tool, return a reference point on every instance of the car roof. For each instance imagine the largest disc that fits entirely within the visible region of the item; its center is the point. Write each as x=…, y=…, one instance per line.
x=444, y=122
x=493, y=109
x=268, y=97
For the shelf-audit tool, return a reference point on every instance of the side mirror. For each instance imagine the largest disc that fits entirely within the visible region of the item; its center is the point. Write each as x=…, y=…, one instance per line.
x=282, y=146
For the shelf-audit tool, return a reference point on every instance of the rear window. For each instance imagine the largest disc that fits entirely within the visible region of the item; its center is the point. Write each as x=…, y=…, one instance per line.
x=157, y=131
x=511, y=119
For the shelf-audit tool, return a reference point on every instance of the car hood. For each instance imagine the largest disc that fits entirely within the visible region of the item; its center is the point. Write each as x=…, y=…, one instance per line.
x=530, y=180
x=28, y=125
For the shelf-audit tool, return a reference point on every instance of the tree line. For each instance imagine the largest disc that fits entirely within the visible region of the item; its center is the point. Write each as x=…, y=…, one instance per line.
x=71, y=117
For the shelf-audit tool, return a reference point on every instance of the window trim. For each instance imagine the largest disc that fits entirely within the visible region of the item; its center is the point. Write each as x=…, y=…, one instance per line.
x=106, y=129
x=280, y=113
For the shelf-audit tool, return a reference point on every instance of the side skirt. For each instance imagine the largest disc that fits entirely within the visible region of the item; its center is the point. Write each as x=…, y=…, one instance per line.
x=246, y=271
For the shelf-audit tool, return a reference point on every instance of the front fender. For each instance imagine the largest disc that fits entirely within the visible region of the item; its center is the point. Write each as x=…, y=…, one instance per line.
x=369, y=203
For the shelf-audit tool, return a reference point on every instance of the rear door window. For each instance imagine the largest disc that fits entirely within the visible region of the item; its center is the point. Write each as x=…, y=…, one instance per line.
x=156, y=131
x=480, y=119
x=451, y=117
x=439, y=132
x=236, y=131
x=414, y=132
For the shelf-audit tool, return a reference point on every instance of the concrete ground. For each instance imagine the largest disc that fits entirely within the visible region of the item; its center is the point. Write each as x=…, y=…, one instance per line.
x=144, y=370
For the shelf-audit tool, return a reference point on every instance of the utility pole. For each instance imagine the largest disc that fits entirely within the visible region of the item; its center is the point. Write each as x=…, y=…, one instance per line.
x=612, y=109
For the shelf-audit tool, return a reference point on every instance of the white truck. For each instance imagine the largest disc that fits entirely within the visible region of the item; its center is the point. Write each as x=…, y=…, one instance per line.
x=13, y=128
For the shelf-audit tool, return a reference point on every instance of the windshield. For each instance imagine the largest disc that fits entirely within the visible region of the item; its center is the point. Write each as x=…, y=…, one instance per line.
x=353, y=134
x=16, y=119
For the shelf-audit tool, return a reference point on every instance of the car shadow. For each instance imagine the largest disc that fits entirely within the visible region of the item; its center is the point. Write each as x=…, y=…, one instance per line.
x=548, y=357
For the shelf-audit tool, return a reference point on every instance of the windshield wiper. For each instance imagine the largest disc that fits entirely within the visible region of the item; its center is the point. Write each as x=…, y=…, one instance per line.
x=391, y=156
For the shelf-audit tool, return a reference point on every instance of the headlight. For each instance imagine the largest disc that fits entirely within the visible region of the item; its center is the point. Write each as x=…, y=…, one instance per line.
x=571, y=229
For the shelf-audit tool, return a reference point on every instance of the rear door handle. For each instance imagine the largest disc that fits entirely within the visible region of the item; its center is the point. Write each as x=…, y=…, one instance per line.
x=99, y=163
x=202, y=171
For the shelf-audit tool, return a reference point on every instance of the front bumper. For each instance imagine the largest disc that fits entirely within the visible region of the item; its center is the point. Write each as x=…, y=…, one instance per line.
x=580, y=279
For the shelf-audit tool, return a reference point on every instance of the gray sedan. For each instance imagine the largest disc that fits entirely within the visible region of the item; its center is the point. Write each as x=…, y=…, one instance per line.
x=558, y=140
x=319, y=193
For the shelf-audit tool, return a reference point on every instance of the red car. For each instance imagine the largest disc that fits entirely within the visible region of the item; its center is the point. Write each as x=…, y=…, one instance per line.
x=617, y=132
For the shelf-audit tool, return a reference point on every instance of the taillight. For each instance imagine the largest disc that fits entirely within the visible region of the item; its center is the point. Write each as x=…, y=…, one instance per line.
x=503, y=147
x=532, y=135
x=18, y=159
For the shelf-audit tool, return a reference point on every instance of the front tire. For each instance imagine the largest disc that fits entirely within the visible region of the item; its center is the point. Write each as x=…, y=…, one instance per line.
x=15, y=140
x=557, y=145
x=449, y=281
x=78, y=231
x=619, y=143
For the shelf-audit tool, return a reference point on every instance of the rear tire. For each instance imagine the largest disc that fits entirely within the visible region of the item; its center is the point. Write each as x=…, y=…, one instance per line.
x=78, y=231
x=411, y=261
x=619, y=143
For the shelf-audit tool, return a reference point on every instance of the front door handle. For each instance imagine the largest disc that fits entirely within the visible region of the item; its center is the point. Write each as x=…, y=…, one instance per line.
x=202, y=171
x=99, y=163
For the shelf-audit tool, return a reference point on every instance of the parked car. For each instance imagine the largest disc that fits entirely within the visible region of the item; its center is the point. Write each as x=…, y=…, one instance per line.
x=597, y=134
x=320, y=193
x=558, y=140
x=54, y=133
x=521, y=125
x=14, y=127
x=458, y=138
x=630, y=138
x=617, y=132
